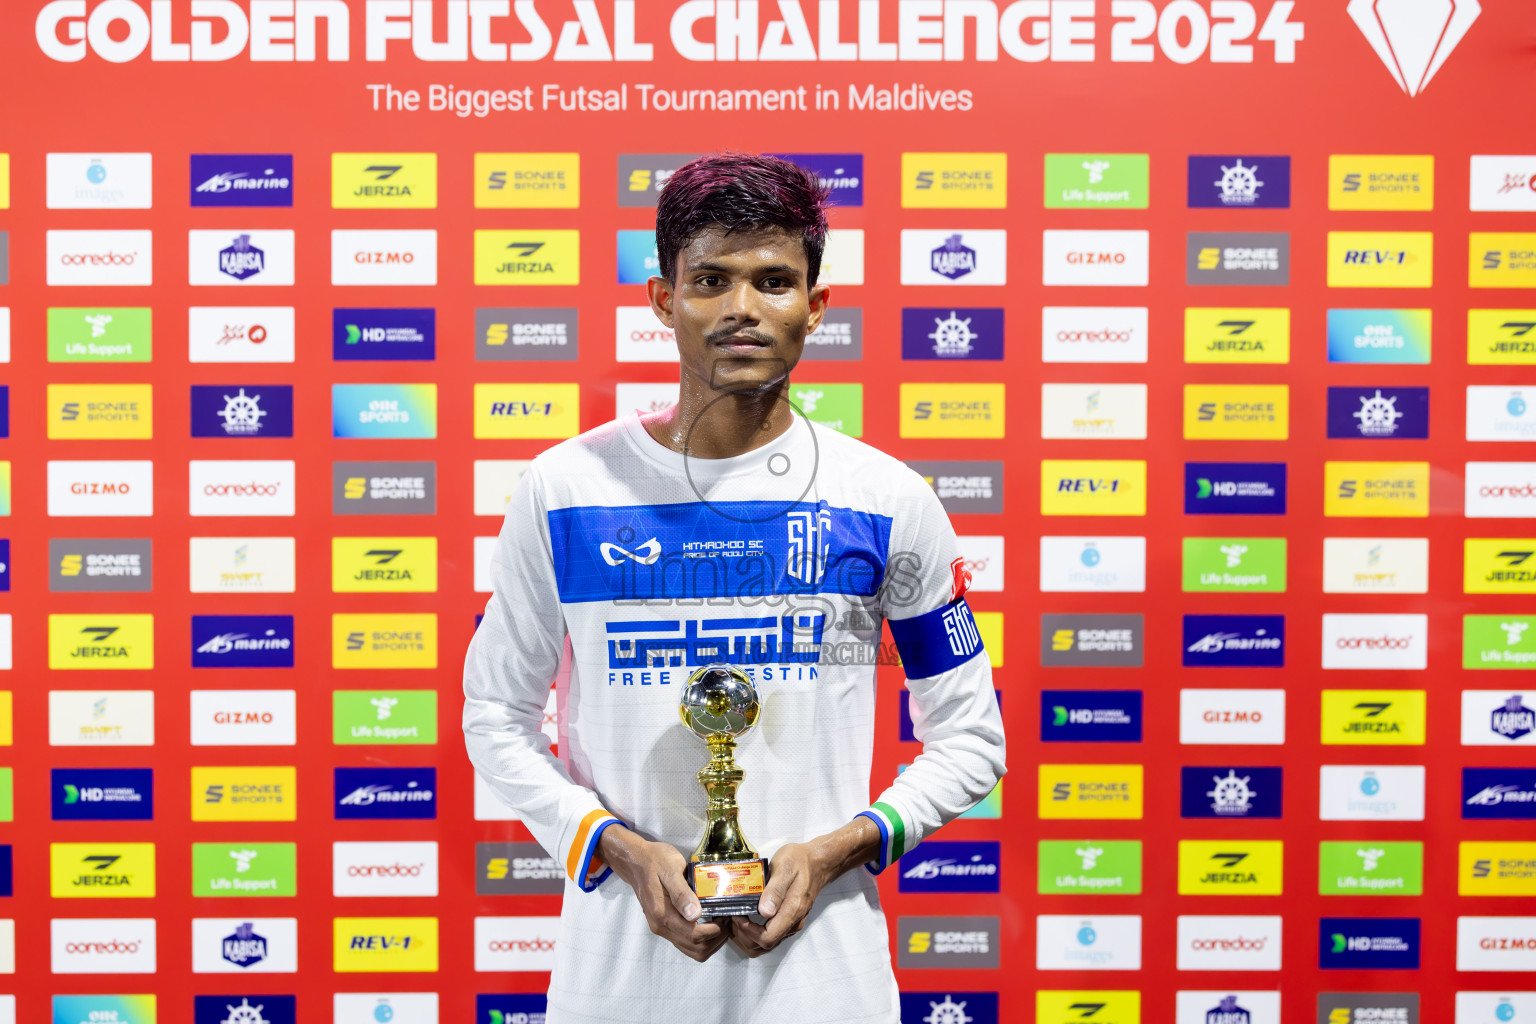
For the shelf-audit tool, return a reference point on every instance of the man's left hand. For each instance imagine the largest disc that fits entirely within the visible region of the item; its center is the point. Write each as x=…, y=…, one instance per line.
x=796, y=876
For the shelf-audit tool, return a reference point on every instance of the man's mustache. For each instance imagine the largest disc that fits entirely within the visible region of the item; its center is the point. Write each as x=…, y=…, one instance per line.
x=727, y=333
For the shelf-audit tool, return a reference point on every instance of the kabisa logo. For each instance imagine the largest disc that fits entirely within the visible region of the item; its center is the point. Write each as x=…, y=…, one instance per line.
x=242, y=180
x=953, y=259
x=1230, y=792
x=519, y=1008
x=842, y=174
x=103, y=794
x=1238, y=258
x=1494, y=793
x=1413, y=40
x=1240, y=182
x=952, y=1007
x=1378, y=413
x=1253, y=641
x=952, y=333
x=531, y=334
x=953, y=867
x=1234, y=488
x=1512, y=720
x=386, y=793
x=241, y=259
x=242, y=641
x=257, y=1009
x=242, y=410
x=1354, y=943
x=395, y=334
x=1090, y=716
x=244, y=948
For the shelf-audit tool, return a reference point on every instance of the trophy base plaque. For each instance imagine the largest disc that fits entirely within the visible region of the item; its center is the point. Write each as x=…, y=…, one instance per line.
x=729, y=888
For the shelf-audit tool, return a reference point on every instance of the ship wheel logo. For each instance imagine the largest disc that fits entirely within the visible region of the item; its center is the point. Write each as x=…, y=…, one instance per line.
x=242, y=413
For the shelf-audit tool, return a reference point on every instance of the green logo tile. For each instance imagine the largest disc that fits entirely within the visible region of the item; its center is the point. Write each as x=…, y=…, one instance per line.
x=1088, y=866
x=1234, y=564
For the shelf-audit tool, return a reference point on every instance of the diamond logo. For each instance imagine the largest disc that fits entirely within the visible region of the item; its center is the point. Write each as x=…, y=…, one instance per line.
x=1414, y=37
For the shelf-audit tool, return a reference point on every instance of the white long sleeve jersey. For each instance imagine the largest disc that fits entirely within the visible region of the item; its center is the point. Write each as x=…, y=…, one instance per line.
x=620, y=569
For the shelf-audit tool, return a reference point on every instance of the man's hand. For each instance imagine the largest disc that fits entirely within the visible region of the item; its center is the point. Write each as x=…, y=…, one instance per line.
x=796, y=876
x=655, y=872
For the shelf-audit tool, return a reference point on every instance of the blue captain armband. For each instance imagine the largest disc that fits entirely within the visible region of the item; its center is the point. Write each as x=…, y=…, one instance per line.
x=934, y=643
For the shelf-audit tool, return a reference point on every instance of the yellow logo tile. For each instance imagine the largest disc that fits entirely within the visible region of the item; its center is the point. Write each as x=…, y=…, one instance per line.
x=1494, y=566
x=990, y=627
x=1496, y=869
x=112, y=870
x=1237, y=412
x=384, y=565
x=1373, y=717
x=1381, y=259
x=100, y=412
x=5, y=181
x=384, y=181
x=1094, y=487
x=528, y=257
x=7, y=719
x=1226, y=867
x=101, y=641
x=527, y=410
x=954, y=181
x=385, y=945
x=527, y=181
x=241, y=793
x=1237, y=335
x=1381, y=182
x=1504, y=259
x=1063, y=1007
x=953, y=410
x=1082, y=791
x=1501, y=337
x=384, y=641
x=1376, y=489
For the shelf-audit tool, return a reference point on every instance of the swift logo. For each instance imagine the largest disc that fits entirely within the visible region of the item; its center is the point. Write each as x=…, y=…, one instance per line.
x=1413, y=40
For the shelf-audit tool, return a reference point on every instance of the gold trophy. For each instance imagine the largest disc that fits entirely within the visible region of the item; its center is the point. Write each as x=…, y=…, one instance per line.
x=719, y=704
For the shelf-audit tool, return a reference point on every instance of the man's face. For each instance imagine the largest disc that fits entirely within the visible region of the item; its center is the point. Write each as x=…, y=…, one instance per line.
x=741, y=307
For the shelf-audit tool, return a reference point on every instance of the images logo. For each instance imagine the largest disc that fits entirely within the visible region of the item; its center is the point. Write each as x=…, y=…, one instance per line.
x=103, y=794
x=242, y=180
x=384, y=257
x=954, y=867
x=527, y=410
x=1230, y=792
x=1381, y=183
x=393, y=411
x=242, y=410
x=516, y=869
x=99, y=335
x=384, y=181
x=1083, y=791
x=528, y=257
x=242, y=641
x=523, y=181
x=948, y=942
x=386, y=793
x=952, y=333
x=1096, y=181
x=1090, y=867
x=1238, y=258
x=1372, y=413
x=1091, y=640
x=1234, y=564
x=1375, y=717
x=1102, y=942
x=1381, y=259
x=1370, y=869
x=1234, y=488
x=244, y=794
x=96, y=565
x=1495, y=793
x=962, y=487
x=1413, y=42
x=1093, y=564
x=101, y=641
x=970, y=256
x=384, y=641
x=532, y=334
x=1371, y=793
x=1090, y=716
x=96, y=412
x=948, y=410
x=1240, y=182
x=1251, y=412
x=240, y=257
x=244, y=869
x=1253, y=641
x=396, y=334
x=1376, y=489
x=1380, y=943
x=1226, y=868
x=100, y=181
x=950, y=181
x=1095, y=258
x=1500, y=413
x=1093, y=488
x=111, y=870
x=1254, y=336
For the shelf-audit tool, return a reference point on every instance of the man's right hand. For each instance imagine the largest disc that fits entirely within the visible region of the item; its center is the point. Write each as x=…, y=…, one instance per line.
x=655, y=871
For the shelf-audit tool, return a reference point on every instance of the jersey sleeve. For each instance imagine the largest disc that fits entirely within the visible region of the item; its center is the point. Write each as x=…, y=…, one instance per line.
x=954, y=708
x=512, y=662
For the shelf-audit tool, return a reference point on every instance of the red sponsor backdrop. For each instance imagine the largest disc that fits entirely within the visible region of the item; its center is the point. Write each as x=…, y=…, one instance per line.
x=1336, y=97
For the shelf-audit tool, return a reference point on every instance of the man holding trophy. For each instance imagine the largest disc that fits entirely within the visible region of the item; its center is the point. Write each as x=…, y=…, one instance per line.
x=728, y=562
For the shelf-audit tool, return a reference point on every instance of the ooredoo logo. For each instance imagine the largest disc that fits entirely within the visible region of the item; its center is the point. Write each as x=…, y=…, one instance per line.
x=384, y=869
x=93, y=258
x=515, y=943
x=103, y=945
x=1228, y=943
x=1501, y=490
x=241, y=488
x=640, y=338
x=1375, y=641
x=1093, y=334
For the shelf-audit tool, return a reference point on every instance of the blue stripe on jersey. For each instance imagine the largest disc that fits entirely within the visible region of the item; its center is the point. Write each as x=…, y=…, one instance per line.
x=943, y=639
x=716, y=549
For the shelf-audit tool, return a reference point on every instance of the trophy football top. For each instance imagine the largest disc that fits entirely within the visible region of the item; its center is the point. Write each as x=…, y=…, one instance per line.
x=719, y=700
